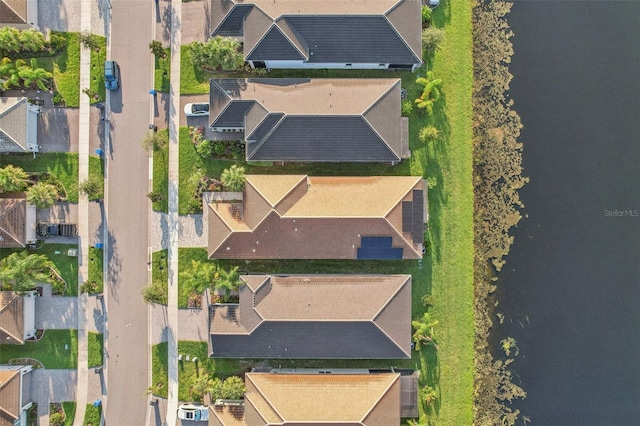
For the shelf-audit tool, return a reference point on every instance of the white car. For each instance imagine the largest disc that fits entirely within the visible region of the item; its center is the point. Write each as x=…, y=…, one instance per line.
x=193, y=110
x=196, y=413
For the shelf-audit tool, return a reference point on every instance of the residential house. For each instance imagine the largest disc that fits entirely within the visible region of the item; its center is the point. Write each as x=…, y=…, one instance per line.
x=327, y=397
x=17, y=317
x=18, y=125
x=15, y=391
x=315, y=316
x=17, y=221
x=377, y=34
x=304, y=217
x=22, y=14
x=296, y=119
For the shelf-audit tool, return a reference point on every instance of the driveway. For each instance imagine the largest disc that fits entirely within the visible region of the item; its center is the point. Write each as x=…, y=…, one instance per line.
x=64, y=15
x=56, y=312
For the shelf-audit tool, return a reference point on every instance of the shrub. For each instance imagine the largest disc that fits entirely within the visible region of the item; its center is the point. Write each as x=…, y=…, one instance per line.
x=432, y=37
x=155, y=293
x=406, y=108
x=157, y=50
x=233, y=178
x=205, y=149
x=88, y=41
x=432, y=182
x=428, y=133
x=57, y=42
x=426, y=16
x=155, y=196
x=56, y=419
x=218, y=53
x=42, y=195
x=220, y=149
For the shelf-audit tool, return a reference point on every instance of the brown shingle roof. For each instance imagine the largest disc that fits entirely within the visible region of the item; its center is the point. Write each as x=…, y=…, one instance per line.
x=11, y=318
x=13, y=212
x=9, y=396
x=333, y=399
x=227, y=415
x=314, y=218
x=13, y=11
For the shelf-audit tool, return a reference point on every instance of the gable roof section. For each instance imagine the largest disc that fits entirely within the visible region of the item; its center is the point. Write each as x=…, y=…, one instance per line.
x=339, y=316
x=11, y=318
x=9, y=396
x=275, y=45
x=332, y=399
x=13, y=212
x=328, y=31
x=13, y=11
x=13, y=124
x=314, y=218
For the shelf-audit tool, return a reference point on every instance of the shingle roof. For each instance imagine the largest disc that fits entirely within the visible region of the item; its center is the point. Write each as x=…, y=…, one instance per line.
x=11, y=318
x=313, y=120
x=9, y=396
x=340, y=316
x=332, y=399
x=13, y=124
x=13, y=11
x=300, y=217
x=13, y=212
x=328, y=31
x=227, y=415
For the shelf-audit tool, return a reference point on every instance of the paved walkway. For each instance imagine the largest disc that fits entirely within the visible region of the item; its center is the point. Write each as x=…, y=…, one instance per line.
x=195, y=323
x=193, y=231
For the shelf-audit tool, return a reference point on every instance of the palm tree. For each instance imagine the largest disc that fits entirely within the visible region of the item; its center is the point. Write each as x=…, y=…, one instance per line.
x=233, y=388
x=155, y=140
x=92, y=187
x=228, y=280
x=31, y=40
x=22, y=271
x=200, y=276
x=424, y=330
x=430, y=93
x=32, y=75
x=234, y=178
x=42, y=195
x=201, y=386
x=429, y=396
x=13, y=179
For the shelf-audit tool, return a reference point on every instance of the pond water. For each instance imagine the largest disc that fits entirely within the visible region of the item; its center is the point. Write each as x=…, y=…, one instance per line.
x=570, y=290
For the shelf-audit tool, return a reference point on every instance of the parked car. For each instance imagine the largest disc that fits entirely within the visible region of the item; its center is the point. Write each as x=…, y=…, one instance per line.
x=111, y=75
x=196, y=413
x=192, y=110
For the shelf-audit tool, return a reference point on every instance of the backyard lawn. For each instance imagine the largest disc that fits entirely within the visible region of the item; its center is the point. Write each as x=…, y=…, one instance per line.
x=56, y=349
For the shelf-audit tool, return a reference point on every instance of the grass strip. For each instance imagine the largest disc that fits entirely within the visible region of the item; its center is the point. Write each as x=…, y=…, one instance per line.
x=96, y=349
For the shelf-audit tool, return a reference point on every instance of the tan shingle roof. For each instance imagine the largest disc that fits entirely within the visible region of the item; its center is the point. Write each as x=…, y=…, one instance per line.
x=11, y=318
x=227, y=415
x=332, y=398
x=325, y=7
x=324, y=219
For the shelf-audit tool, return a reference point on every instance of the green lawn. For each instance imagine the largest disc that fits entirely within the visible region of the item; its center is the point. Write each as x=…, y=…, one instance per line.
x=96, y=345
x=69, y=408
x=57, y=349
x=161, y=176
x=96, y=270
x=187, y=369
x=98, y=56
x=65, y=67
x=162, y=73
x=193, y=80
x=92, y=415
x=67, y=266
x=96, y=168
x=62, y=165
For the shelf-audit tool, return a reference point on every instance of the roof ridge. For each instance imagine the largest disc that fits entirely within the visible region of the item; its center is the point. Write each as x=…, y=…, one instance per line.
x=7, y=212
x=399, y=234
x=377, y=100
x=398, y=290
x=394, y=205
x=382, y=139
x=256, y=102
x=273, y=207
x=270, y=132
x=292, y=42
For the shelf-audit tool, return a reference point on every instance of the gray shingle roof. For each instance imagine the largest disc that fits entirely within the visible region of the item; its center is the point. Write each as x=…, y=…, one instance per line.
x=327, y=138
x=233, y=115
x=352, y=39
x=233, y=22
x=13, y=124
x=275, y=46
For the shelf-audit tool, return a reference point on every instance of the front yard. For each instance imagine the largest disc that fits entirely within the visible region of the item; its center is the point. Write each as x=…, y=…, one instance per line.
x=56, y=349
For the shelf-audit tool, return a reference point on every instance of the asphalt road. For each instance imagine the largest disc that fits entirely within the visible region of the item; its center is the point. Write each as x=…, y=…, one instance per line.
x=128, y=210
